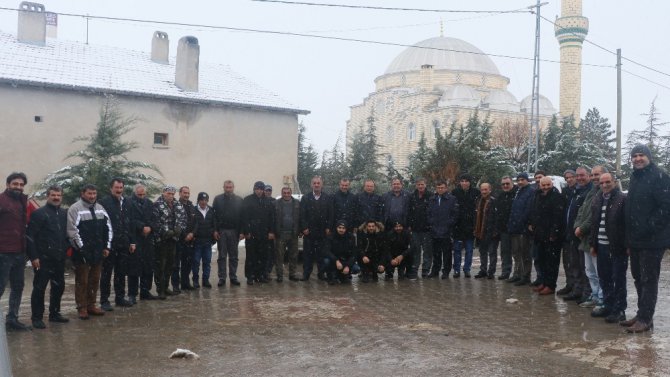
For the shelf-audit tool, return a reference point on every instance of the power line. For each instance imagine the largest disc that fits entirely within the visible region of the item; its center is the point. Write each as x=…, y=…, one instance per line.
x=521, y=10
x=316, y=36
x=646, y=79
x=607, y=50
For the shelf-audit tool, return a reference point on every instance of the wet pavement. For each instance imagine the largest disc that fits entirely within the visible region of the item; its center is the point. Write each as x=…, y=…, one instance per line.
x=408, y=328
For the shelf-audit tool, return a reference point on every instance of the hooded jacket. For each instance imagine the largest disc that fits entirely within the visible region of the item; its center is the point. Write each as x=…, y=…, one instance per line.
x=372, y=245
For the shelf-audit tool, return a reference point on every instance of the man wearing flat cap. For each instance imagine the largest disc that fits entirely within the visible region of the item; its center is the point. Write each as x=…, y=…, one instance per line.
x=258, y=230
x=169, y=221
x=647, y=218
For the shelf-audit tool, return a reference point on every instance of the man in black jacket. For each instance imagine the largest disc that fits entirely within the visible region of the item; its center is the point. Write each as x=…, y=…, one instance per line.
x=258, y=229
x=418, y=227
x=344, y=205
x=118, y=208
x=142, y=268
x=183, y=259
x=369, y=205
x=647, y=233
x=47, y=248
x=504, y=206
x=287, y=218
x=464, y=237
x=316, y=218
x=227, y=207
x=204, y=236
x=396, y=205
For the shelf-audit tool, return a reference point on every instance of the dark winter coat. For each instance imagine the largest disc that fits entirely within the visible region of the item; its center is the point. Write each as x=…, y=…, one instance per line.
x=316, y=215
x=228, y=209
x=403, y=208
x=189, y=210
x=204, y=226
x=369, y=207
x=258, y=216
x=398, y=244
x=467, y=206
x=546, y=216
x=373, y=245
x=648, y=209
x=442, y=215
x=489, y=229
x=119, y=215
x=12, y=222
x=279, y=214
x=168, y=223
x=342, y=248
x=90, y=232
x=520, y=213
x=573, y=203
x=504, y=201
x=46, y=235
x=615, y=221
x=140, y=217
x=583, y=219
x=417, y=220
x=344, y=208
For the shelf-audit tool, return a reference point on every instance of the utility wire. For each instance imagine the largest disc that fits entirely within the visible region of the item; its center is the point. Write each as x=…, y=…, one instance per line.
x=608, y=50
x=521, y=10
x=645, y=79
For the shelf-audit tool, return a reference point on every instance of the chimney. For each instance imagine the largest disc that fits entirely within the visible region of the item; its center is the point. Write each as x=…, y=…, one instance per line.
x=52, y=24
x=32, y=23
x=188, y=62
x=160, y=47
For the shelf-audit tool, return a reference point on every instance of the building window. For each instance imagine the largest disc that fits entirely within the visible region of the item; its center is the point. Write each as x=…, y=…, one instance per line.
x=38, y=119
x=411, y=132
x=160, y=139
x=389, y=134
x=436, y=128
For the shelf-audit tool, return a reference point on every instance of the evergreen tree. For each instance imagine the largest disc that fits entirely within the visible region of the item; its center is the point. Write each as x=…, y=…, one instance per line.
x=598, y=131
x=307, y=160
x=420, y=159
x=103, y=158
x=551, y=135
x=363, y=159
x=333, y=167
x=570, y=152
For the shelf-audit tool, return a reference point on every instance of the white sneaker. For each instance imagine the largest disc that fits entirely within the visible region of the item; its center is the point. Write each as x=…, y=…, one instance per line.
x=590, y=303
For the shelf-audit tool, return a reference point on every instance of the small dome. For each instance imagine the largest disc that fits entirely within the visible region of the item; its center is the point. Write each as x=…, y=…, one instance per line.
x=459, y=95
x=499, y=99
x=546, y=108
x=443, y=53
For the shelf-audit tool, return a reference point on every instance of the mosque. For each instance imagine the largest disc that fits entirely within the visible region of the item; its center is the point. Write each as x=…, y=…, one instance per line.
x=444, y=80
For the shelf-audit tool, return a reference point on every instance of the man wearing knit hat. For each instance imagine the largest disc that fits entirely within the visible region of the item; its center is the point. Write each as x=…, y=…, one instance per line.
x=647, y=233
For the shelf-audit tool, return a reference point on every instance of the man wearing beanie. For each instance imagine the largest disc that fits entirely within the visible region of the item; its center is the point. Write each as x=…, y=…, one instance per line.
x=647, y=233
x=258, y=230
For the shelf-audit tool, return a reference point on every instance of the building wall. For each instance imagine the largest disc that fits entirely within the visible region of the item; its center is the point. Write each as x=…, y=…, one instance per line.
x=207, y=144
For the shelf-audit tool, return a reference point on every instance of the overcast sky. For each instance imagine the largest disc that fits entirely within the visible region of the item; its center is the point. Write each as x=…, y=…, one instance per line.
x=328, y=76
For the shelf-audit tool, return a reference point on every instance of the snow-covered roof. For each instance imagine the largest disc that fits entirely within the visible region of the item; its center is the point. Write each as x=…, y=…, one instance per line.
x=78, y=66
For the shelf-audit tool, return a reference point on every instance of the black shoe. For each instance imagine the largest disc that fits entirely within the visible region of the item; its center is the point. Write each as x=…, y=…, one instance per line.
x=320, y=276
x=162, y=295
x=106, y=306
x=574, y=296
x=123, y=303
x=168, y=292
x=445, y=276
x=365, y=278
x=412, y=276
x=14, y=324
x=332, y=281
x=147, y=296
x=535, y=283
x=466, y=274
x=480, y=275
x=522, y=282
x=503, y=277
x=600, y=311
x=250, y=281
x=132, y=300
x=616, y=317
x=457, y=274
x=280, y=279
x=206, y=284
x=57, y=317
x=304, y=278
x=490, y=276
x=196, y=285
x=234, y=282
x=221, y=283
x=39, y=324
x=388, y=277
x=264, y=280
x=513, y=279
x=293, y=278
x=176, y=291
x=564, y=291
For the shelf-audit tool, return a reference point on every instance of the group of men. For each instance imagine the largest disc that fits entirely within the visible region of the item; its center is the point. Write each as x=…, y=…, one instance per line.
x=132, y=242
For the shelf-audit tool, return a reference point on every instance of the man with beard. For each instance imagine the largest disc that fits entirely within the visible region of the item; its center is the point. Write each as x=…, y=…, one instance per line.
x=168, y=223
x=419, y=230
x=118, y=209
x=647, y=233
x=340, y=255
x=463, y=234
x=141, y=266
x=372, y=252
x=90, y=232
x=486, y=232
x=227, y=208
x=546, y=229
x=46, y=237
x=400, y=254
x=184, y=252
x=258, y=230
x=12, y=245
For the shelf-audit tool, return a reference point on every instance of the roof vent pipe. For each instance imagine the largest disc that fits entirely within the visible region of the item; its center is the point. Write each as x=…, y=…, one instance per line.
x=32, y=23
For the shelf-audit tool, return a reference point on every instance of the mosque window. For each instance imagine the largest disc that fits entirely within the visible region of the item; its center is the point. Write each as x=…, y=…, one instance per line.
x=389, y=134
x=411, y=132
x=389, y=159
x=436, y=128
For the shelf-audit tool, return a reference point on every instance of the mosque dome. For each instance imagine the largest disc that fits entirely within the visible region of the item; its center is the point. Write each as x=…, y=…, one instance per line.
x=443, y=53
x=500, y=99
x=459, y=95
x=546, y=108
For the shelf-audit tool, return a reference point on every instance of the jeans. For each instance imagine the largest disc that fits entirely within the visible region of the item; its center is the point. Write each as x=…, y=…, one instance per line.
x=591, y=268
x=612, y=273
x=421, y=240
x=441, y=256
x=202, y=252
x=50, y=271
x=312, y=253
x=458, y=246
x=521, y=255
x=488, y=254
x=227, y=247
x=506, y=254
x=645, y=265
x=12, y=266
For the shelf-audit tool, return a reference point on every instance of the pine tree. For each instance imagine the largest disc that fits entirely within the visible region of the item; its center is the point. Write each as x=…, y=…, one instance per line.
x=103, y=158
x=551, y=135
x=333, y=167
x=570, y=152
x=363, y=157
x=598, y=131
x=307, y=159
x=420, y=159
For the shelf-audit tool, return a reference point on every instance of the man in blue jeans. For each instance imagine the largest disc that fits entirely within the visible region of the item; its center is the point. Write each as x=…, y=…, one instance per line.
x=464, y=236
x=647, y=233
x=13, y=245
x=204, y=236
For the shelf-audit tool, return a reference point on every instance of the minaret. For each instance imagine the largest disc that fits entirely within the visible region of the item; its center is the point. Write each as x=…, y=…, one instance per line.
x=571, y=29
